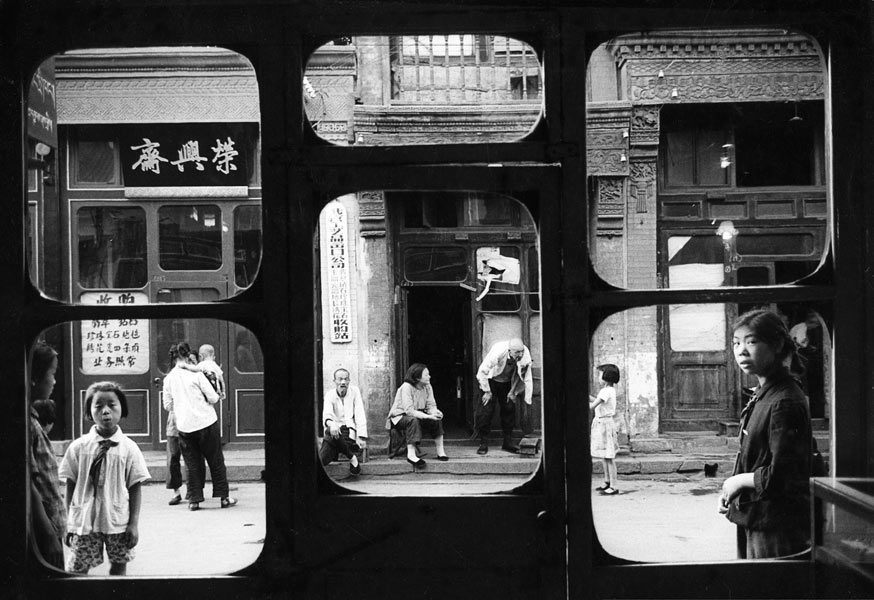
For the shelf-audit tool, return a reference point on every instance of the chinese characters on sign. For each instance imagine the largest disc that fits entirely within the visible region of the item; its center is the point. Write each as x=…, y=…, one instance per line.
x=155, y=155
x=339, y=301
x=150, y=158
x=115, y=346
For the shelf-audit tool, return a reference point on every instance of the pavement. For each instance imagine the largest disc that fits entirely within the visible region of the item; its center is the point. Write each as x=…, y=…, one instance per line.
x=649, y=520
x=665, y=510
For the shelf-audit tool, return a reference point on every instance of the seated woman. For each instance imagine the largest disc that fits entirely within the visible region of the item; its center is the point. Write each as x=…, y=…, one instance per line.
x=415, y=409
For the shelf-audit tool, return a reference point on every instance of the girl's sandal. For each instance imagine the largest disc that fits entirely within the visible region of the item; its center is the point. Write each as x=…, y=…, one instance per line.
x=610, y=491
x=601, y=488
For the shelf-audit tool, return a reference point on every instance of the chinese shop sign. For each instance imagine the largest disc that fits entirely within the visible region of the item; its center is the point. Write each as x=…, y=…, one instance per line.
x=115, y=346
x=339, y=301
x=42, y=113
x=193, y=154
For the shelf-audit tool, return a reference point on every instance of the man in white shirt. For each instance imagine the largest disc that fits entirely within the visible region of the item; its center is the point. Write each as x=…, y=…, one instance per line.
x=345, y=422
x=504, y=375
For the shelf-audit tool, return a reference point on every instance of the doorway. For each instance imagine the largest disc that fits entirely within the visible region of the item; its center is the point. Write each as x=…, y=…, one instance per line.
x=438, y=334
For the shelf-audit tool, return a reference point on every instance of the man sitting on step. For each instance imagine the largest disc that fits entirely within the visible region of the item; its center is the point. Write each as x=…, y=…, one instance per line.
x=345, y=422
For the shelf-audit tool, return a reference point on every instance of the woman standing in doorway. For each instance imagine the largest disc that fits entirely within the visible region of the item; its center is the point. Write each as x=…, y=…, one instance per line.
x=768, y=495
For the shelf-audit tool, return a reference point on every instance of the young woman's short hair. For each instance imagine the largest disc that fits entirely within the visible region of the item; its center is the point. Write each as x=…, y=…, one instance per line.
x=771, y=328
x=43, y=357
x=105, y=386
x=414, y=373
x=609, y=372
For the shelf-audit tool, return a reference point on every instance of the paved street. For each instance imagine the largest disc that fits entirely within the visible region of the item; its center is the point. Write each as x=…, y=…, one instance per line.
x=674, y=519
x=666, y=520
x=176, y=541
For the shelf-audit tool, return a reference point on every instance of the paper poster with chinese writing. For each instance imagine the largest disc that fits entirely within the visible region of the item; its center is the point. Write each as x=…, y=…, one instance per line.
x=339, y=294
x=115, y=346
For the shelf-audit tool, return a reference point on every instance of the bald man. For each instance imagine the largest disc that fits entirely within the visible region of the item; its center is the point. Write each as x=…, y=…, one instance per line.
x=504, y=377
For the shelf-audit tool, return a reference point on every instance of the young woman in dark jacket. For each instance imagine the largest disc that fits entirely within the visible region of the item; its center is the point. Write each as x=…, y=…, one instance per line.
x=768, y=495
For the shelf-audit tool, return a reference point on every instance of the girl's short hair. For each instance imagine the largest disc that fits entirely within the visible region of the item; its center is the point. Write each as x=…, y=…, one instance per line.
x=414, y=373
x=45, y=411
x=43, y=357
x=179, y=350
x=769, y=326
x=105, y=386
x=609, y=372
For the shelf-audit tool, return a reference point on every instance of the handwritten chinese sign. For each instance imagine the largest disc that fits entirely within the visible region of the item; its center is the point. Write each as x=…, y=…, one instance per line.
x=115, y=346
x=191, y=154
x=339, y=298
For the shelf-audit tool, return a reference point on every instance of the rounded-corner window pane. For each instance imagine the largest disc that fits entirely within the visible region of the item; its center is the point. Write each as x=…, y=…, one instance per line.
x=133, y=181
x=668, y=404
x=418, y=321
x=423, y=89
x=693, y=136
x=116, y=379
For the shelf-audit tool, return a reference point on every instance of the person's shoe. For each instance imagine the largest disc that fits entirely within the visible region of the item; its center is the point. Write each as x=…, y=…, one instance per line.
x=601, y=488
x=228, y=502
x=610, y=491
x=443, y=458
x=417, y=464
x=355, y=469
x=194, y=506
x=510, y=448
x=483, y=448
x=177, y=499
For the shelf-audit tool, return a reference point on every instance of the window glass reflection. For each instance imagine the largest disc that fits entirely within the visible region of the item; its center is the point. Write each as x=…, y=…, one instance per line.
x=247, y=244
x=672, y=153
x=190, y=237
x=680, y=404
x=96, y=162
x=120, y=198
x=423, y=89
x=112, y=247
x=457, y=298
x=133, y=355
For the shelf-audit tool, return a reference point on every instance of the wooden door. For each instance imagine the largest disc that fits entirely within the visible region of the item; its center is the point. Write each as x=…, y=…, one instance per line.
x=696, y=383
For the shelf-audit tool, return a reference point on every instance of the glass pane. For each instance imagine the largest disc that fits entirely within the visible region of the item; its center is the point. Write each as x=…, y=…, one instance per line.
x=680, y=158
x=61, y=373
x=190, y=237
x=673, y=151
x=436, y=264
x=112, y=247
x=167, y=140
x=423, y=89
x=391, y=299
x=247, y=244
x=709, y=149
x=96, y=162
x=670, y=427
x=247, y=351
x=534, y=278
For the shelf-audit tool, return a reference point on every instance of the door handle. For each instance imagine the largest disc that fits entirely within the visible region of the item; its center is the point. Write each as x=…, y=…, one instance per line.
x=157, y=381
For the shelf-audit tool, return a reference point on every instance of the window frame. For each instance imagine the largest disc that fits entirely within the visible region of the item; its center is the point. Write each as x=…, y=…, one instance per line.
x=301, y=172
